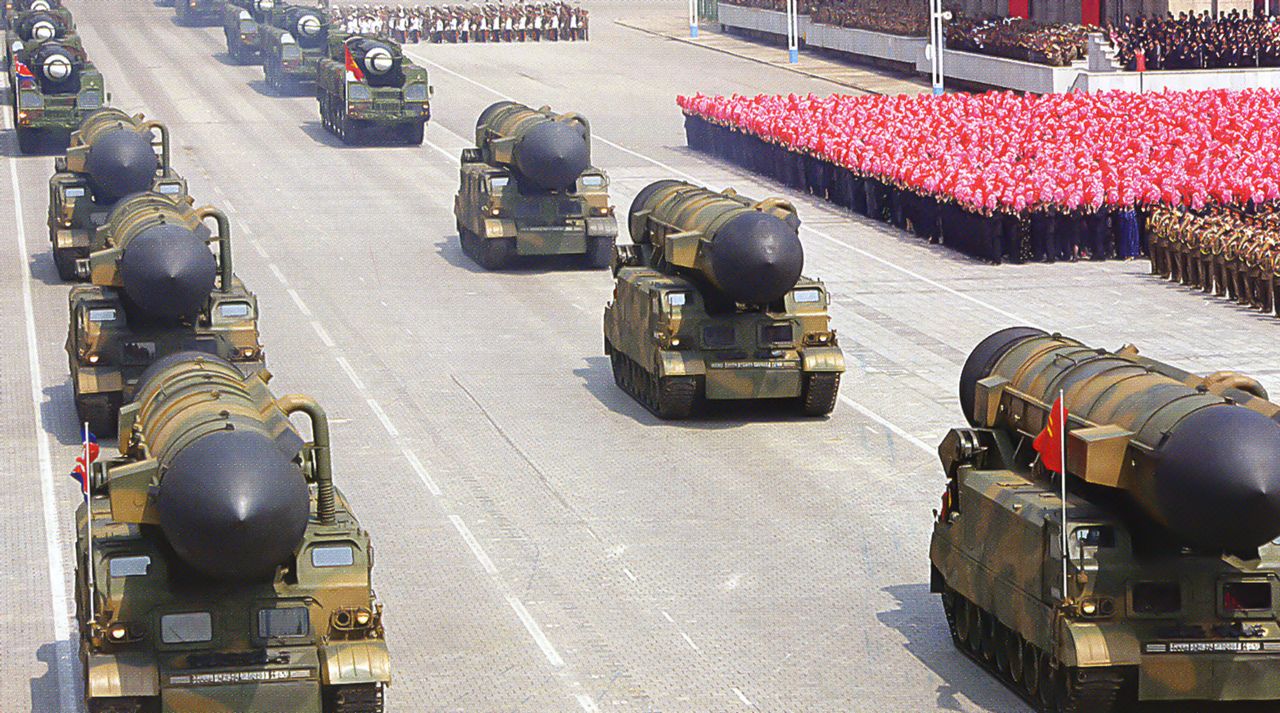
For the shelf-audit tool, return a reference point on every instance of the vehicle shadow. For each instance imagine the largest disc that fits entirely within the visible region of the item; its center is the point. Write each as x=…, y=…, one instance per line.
x=42, y=269
x=380, y=140
x=919, y=619
x=226, y=59
x=451, y=252
x=45, y=694
x=58, y=416
x=260, y=86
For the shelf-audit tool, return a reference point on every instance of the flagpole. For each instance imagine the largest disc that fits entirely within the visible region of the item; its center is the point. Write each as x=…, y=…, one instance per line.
x=88, y=521
x=1062, y=477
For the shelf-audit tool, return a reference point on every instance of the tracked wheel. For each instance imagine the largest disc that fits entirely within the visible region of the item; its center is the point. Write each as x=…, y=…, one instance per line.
x=360, y=698
x=65, y=262
x=29, y=140
x=820, y=393
x=100, y=411
x=599, y=252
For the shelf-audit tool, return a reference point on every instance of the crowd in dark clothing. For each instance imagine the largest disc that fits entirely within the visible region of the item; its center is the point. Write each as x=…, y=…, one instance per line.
x=1098, y=233
x=896, y=17
x=1058, y=44
x=1198, y=41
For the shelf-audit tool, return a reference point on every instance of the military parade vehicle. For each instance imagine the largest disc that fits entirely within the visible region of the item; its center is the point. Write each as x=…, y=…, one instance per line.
x=294, y=39
x=54, y=84
x=709, y=304
x=218, y=568
x=157, y=289
x=197, y=13
x=240, y=20
x=1158, y=577
x=528, y=189
x=368, y=84
x=112, y=155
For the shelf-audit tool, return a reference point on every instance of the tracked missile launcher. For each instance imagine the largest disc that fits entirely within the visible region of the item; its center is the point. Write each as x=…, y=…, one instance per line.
x=54, y=84
x=528, y=189
x=197, y=13
x=1158, y=578
x=709, y=304
x=380, y=89
x=111, y=155
x=156, y=290
x=240, y=20
x=294, y=39
x=218, y=568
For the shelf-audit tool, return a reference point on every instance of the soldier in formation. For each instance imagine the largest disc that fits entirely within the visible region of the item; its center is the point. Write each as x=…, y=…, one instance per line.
x=490, y=22
x=1230, y=252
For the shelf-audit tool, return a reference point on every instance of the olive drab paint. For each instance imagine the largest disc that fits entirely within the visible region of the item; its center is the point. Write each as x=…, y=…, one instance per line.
x=389, y=92
x=228, y=572
x=1170, y=519
x=528, y=188
x=709, y=304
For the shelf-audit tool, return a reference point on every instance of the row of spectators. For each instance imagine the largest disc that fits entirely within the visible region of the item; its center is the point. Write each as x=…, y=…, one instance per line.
x=490, y=22
x=1184, y=41
x=1198, y=41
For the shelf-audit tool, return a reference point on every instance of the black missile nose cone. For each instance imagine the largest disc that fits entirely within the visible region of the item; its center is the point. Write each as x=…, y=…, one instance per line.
x=120, y=163
x=168, y=271
x=233, y=506
x=552, y=155
x=1218, y=480
x=756, y=258
x=983, y=359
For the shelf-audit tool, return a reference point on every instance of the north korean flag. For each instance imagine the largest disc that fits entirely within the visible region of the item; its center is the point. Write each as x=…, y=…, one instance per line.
x=26, y=79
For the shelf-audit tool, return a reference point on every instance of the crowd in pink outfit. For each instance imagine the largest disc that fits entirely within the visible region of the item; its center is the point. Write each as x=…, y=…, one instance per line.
x=1008, y=153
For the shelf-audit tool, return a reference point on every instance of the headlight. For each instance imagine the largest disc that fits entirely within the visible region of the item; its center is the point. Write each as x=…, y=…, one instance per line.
x=415, y=93
x=266, y=4
x=30, y=100
x=358, y=92
x=248, y=353
x=90, y=99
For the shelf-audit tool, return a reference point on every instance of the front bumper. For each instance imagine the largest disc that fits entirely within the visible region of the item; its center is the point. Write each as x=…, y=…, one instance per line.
x=295, y=696
x=754, y=379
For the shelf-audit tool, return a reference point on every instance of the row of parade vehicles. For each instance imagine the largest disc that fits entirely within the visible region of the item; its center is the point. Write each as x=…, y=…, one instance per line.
x=217, y=566
x=53, y=83
x=365, y=85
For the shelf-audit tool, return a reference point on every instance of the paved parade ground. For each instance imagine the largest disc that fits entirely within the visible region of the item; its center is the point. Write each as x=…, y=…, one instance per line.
x=543, y=542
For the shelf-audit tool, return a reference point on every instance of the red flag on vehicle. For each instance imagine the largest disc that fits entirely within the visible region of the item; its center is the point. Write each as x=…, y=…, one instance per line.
x=1051, y=443
x=352, y=67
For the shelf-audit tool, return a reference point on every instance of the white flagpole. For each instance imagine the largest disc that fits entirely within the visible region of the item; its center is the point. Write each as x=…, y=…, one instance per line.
x=88, y=521
x=1062, y=477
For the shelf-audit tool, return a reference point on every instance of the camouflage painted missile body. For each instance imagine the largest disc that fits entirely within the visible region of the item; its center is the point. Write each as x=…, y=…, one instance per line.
x=197, y=13
x=709, y=304
x=228, y=573
x=528, y=189
x=294, y=39
x=390, y=93
x=156, y=290
x=1172, y=570
x=65, y=86
x=240, y=19
x=112, y=155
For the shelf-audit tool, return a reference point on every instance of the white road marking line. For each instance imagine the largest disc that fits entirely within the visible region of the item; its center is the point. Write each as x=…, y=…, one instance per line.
x=587, y=704
x=553, y=656
x=258, y=247
x=60, y=613
x=630, y=576
x=227, y=202
x=351, y=374
x=323, y=334
x=302, y=307
x=668, y=617
x=279, y=275
x=474, y=544
x=898, y=431
x=444, y=152
x=741, y=697
x=423, y=474
x=382, y=416
x=689, y=641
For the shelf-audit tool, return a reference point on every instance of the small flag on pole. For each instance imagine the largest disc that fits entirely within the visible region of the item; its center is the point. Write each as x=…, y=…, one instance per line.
x=87, y=456
x=353, y=69
x=1051, y=444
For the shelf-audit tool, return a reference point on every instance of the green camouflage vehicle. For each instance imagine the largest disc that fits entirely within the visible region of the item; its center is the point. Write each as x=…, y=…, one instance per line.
x=156, y=290
x=1158, y=578
x=709, y=304
x=368, y=84
x=56, y=84
x=218, y=569
x=528, y=189
x=294, y=41
x=111, y=156
x=240, y=19
x=197, y=13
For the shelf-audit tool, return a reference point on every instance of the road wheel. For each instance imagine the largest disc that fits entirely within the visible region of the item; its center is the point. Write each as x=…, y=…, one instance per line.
x=65, y=261
x=1014, y=647
x=964, y=620
x=100, y=411
x=1030, y=670
x=675, y=396
x=820, y=392
x=1000, y=644
x=1047, y=685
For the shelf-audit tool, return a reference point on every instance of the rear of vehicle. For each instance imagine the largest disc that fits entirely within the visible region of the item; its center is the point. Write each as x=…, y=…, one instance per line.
x=196, y=13
x=356, y=111
x=38, y=115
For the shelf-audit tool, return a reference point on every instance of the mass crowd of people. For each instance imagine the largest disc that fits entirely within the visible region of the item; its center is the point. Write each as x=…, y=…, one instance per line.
x=1225, y=251
x=1006, y=177
x=1054, y=44
x=1198, y=41
x=489, y=22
